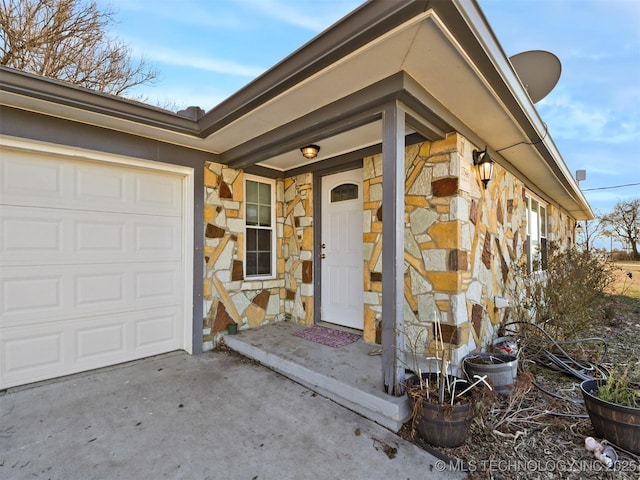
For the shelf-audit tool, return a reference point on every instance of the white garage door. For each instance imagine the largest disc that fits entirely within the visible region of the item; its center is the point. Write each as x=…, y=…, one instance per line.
x=92, y=264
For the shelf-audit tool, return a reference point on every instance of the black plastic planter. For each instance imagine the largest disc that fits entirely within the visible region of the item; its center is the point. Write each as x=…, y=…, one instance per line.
x=500, y=368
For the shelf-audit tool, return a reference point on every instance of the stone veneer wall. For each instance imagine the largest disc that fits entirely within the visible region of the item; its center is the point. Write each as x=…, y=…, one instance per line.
x=297, y=249
x=461, y=242
x=228, y=296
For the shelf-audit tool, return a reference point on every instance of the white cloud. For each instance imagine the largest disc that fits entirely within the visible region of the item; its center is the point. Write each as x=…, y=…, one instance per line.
x=610, y=197
x=179, y=58
x=601, y=169
x=571, y=119
x=182, y=58
x=310, y=15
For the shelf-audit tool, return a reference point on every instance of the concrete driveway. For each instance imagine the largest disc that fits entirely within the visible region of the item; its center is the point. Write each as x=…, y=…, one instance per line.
x=212, y=416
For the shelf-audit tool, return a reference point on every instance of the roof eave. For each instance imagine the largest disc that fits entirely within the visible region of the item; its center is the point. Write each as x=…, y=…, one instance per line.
x=57, y=92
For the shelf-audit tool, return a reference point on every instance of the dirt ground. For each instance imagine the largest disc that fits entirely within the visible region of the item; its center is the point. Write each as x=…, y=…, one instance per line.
x=535, y=434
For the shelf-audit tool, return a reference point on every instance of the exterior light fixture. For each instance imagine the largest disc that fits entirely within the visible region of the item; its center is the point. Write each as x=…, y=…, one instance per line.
x=482, y=160
x=310, y=151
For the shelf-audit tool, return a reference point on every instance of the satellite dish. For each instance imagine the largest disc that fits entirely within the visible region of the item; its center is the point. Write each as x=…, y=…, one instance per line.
x=539, y=72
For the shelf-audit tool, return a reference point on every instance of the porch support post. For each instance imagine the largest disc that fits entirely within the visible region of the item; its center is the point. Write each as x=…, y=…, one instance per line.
x=393, y=180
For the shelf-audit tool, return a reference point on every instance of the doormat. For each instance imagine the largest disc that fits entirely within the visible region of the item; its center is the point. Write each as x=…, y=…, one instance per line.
x=327, y=336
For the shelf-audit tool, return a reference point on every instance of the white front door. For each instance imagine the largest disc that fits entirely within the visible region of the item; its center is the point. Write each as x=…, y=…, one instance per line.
x=341, y=247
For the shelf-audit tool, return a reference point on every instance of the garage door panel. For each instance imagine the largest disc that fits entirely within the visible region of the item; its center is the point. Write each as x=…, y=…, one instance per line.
x=93, y=236
x=97, y=186
x=18, y=358
x=23, y=235
x=76, y=291
x=159, y=237
x=100, y=340
x=156, y=331
x=36, y=236
x=34, y=179
x=93, y=263
x=27, y=177
x=100, y=288
x=158, y=193
x=69, y=346
x=156, y=284
x=30, y=293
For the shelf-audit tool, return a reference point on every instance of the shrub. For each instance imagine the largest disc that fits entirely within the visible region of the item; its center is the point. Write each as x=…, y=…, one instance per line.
x=563, y=298
x=622, y=385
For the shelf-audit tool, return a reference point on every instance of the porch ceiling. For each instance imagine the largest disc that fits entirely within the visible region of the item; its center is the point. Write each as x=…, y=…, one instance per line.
x=423, y=48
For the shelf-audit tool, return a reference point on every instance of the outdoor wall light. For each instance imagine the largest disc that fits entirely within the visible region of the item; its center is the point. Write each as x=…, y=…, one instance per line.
x=310, y=151
x=482, y=160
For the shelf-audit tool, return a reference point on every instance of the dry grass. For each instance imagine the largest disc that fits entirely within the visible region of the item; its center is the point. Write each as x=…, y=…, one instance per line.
x=540, y=435
x=625, y=285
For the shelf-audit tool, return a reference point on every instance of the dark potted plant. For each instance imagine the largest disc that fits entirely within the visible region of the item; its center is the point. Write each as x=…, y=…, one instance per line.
x=443, y=406
x=442, y=412
x=613, y=405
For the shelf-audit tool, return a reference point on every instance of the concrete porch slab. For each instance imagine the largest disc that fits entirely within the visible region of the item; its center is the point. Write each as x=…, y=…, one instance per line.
x=348, y=375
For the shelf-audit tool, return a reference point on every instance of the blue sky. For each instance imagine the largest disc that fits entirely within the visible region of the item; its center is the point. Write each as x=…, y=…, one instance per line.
x=206, y=50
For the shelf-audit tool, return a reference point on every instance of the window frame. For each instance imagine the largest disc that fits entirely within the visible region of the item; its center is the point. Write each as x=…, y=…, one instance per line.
x=272, y=228
x=537, y=261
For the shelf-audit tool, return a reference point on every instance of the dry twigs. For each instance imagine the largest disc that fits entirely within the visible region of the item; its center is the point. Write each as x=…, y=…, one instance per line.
x=536, y=433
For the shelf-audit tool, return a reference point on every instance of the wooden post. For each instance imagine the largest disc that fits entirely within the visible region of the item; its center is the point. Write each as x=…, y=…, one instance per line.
x=393, y=180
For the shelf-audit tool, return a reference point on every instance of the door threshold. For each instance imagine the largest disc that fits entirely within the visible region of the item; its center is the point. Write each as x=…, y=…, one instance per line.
x=335, y=326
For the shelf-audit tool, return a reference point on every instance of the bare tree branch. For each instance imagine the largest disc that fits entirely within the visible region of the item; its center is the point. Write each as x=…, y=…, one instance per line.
x=67, y=40
x=624, y=222
x=588, y=231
